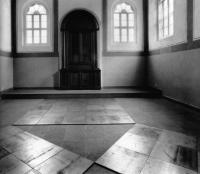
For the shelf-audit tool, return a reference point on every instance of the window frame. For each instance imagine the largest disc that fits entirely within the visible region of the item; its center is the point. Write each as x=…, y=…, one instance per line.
x=169, y=13
x=25, y=29
x=127, y=27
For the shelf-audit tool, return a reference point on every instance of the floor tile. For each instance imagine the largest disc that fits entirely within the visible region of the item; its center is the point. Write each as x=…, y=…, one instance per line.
x=40, y=159
x=78, y=112
x=64, y=162
x=11, y=165
x=122, y=160
x=17, y=142
x=187, y=158
x=77, y=167
x=97, y=169
x=176, y=148
x=154, y=166
x=3, y=153
x=51, y=166
x=146, y=131
x=6, y=132
x=137, y=143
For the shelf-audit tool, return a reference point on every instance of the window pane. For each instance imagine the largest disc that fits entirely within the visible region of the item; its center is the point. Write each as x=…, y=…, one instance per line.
x=28, y=21
x=160, y=11
x=166, y=22
x=161, y=34
x=124, y=19
x=44, y=21
x=116, y=35
x=171, y=6
x=160, y=24
x=116, y=19
x=36, y=36
x=44, y=36
x=36, y=19
x=165, y=8
x=131, y=35
x=171, y=19
x=131, y=21
x=171, y=30
x=124, y=35
x=166, y=32
x=29, y=39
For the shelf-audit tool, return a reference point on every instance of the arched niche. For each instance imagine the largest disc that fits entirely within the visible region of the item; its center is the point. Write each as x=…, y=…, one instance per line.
x=79, y=51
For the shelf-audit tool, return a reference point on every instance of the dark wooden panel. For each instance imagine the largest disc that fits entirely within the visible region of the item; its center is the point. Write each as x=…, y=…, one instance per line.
x=80, y=79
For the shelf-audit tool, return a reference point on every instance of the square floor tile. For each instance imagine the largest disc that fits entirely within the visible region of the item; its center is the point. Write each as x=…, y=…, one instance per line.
x=176, y=148
x=170, y=137
x=51, y=166
x=122, y=160
x=64, y=162
x=137, y=143
x=11, y=165
x=146, y=131
x=187, y=158
x=154, y=166
x=6, y=132
x=77, y=167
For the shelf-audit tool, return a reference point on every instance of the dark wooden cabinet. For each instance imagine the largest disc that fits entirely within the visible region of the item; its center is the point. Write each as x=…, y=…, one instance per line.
x=80, y=79
x=79, y=52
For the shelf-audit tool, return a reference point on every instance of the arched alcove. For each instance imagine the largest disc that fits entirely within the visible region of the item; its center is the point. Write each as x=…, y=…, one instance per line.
x=79, y=51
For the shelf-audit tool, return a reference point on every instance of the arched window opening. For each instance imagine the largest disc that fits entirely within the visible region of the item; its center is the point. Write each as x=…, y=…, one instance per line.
x=36, y=25
x=124, y=23
x=165, y=18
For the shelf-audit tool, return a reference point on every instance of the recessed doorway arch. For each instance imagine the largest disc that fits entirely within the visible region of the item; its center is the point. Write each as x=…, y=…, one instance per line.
x=79, y=51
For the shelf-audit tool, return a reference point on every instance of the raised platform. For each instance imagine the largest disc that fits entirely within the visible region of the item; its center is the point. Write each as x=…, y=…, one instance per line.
x=103, y=93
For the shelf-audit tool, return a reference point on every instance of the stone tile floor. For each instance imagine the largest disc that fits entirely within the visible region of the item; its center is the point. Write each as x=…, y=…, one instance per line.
x=164, y=140
x=77, y=111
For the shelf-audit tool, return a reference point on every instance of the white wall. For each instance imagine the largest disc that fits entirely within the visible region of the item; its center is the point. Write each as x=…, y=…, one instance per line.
x=36, y=72
x=5, y=25
x=6, y=73
x=177, y=75
x=180, y=25
x=196, y=15
x=6, y=63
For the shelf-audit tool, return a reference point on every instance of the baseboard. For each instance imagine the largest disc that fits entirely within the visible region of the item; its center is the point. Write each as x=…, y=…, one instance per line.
x=182, y=103
x=35, y=88
x=4, y=91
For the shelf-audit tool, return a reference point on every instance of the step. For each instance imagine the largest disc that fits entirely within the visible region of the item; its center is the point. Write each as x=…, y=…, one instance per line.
x=103, y=93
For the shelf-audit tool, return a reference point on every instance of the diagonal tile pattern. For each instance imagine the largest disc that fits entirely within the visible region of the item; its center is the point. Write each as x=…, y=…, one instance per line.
x=141, y=150
x=24, y=153
x=167, y=151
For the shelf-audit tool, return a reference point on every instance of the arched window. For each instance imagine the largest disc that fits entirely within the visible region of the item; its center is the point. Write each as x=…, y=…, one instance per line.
x=165, y=18
x=36, y=28
x=124, y=23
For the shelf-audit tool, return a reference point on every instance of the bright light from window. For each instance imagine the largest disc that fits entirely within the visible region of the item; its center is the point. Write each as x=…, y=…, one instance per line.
x=36, y=25
x=124, y=23
x=165, y=18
